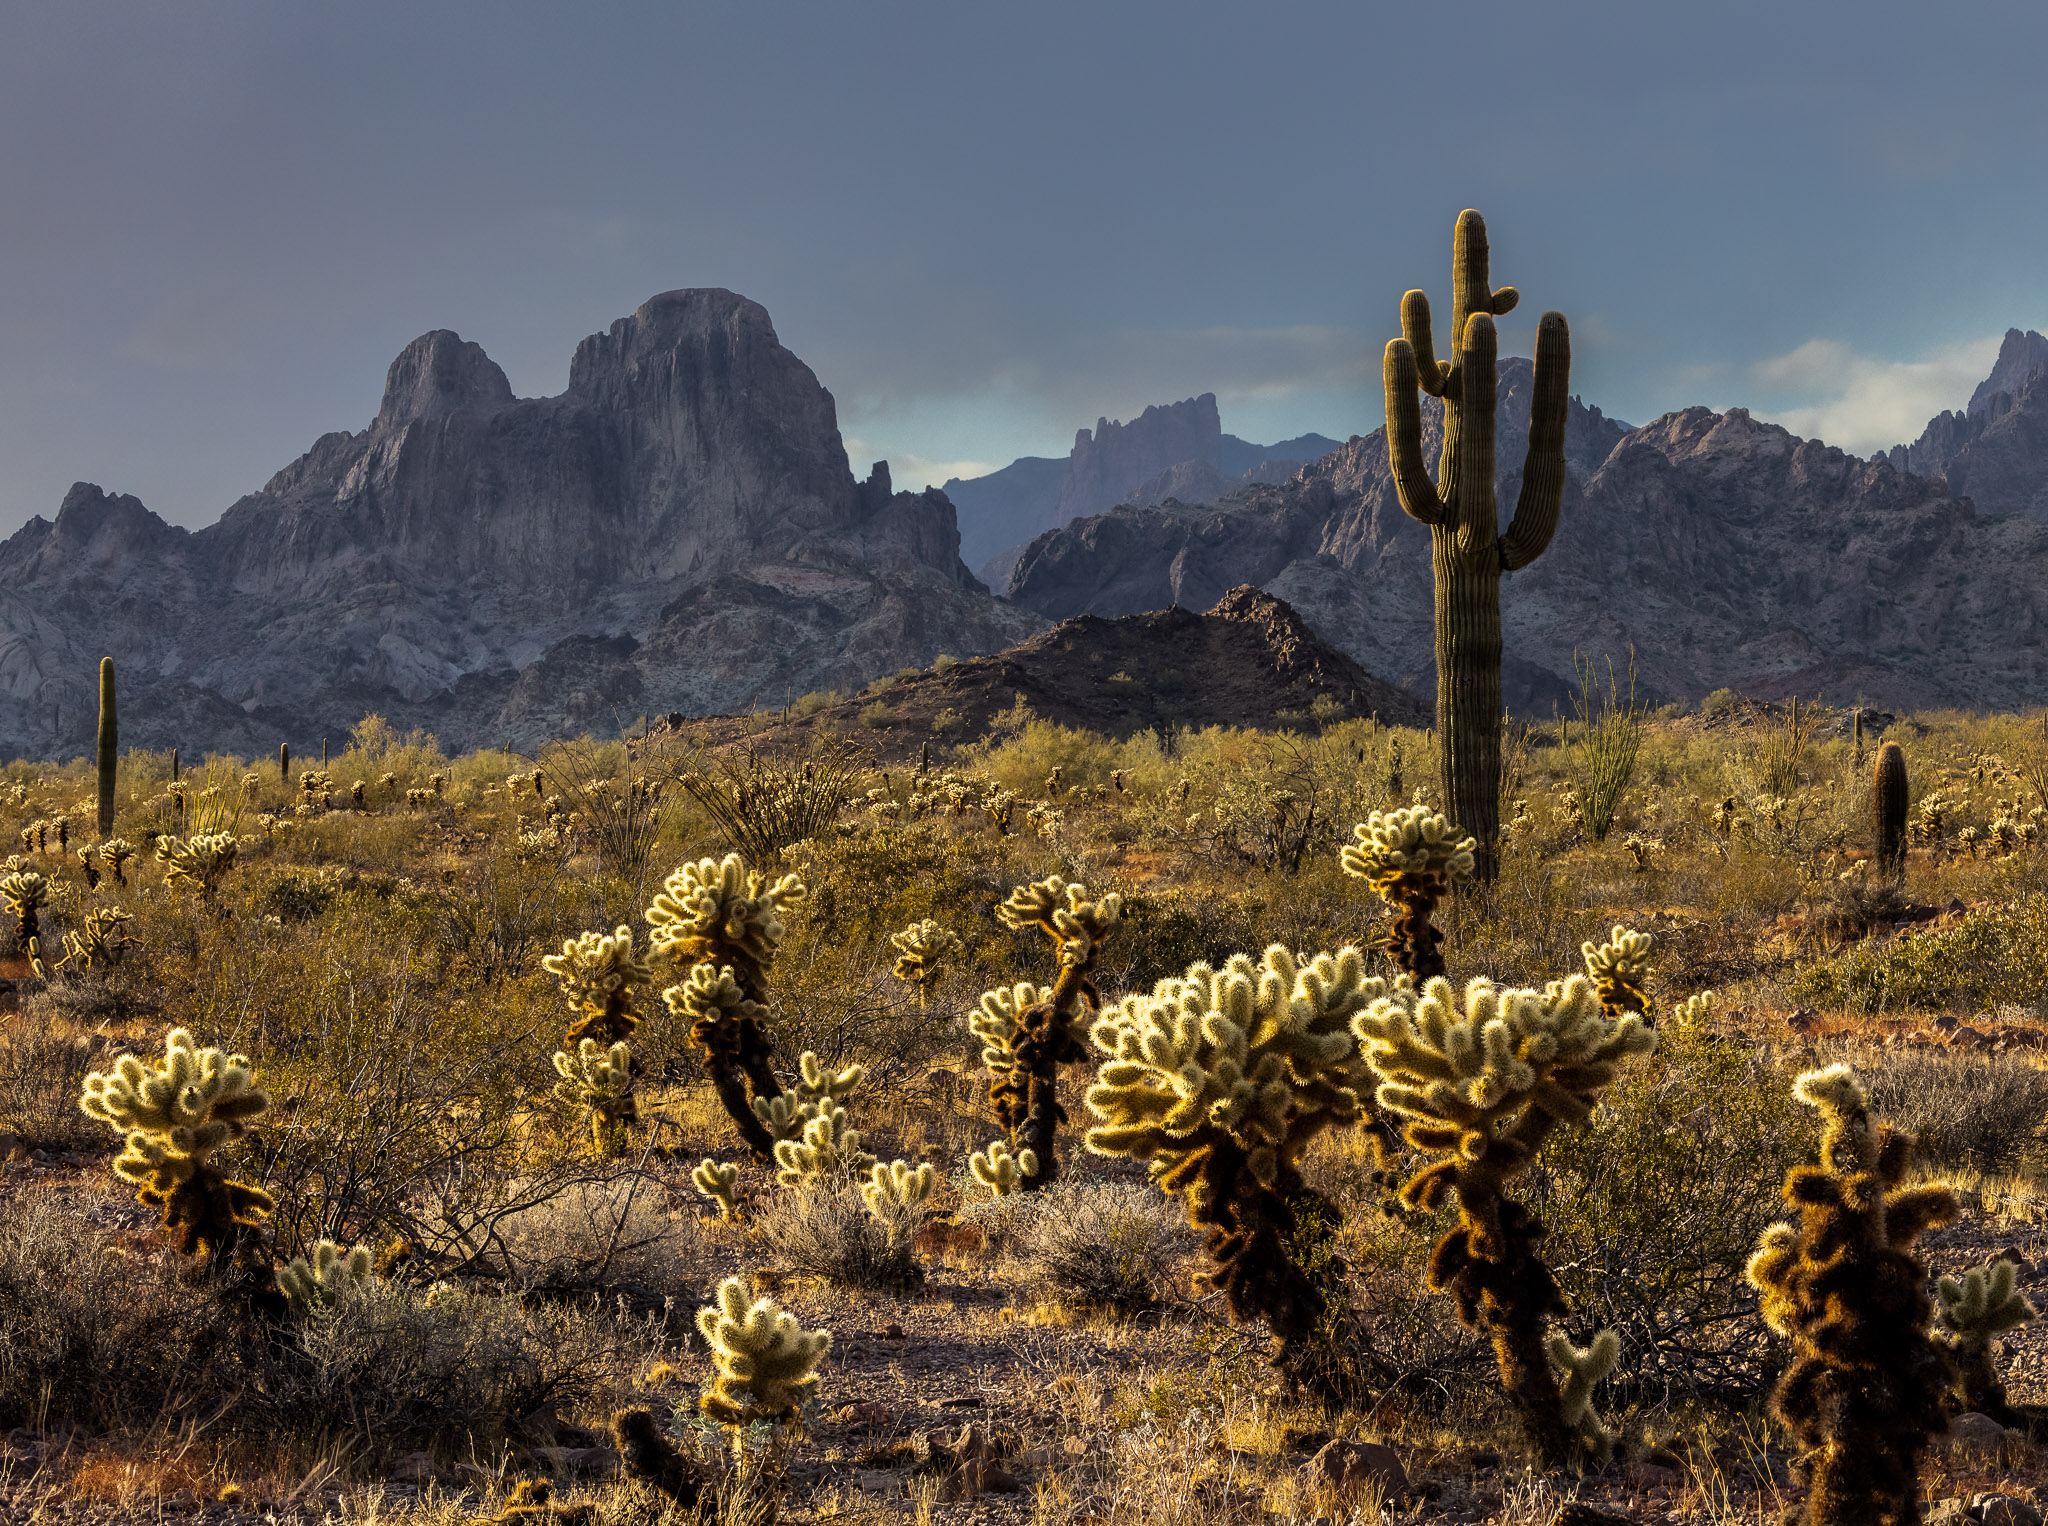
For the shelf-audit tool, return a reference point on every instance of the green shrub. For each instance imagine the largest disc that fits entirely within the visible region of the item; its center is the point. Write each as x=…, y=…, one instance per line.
x=1654, y=1211
x=1998, y=955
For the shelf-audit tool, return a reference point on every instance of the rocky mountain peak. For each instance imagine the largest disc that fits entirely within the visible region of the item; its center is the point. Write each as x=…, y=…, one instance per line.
x=1108, y=463
x=439, y=374
x=2021, y=356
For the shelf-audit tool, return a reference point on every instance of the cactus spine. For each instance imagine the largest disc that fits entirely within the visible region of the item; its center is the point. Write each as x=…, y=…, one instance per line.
x=1468, y=553
x=1888, y=808
x=109, y=748
x=1867, y=1385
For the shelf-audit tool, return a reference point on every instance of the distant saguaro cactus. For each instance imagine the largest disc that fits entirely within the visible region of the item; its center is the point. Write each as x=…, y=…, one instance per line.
x=1468, y=552
x=109, y=749
x=284, y=761
x=1888, y=808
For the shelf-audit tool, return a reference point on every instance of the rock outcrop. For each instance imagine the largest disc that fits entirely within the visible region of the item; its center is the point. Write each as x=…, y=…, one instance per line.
x=676, y=531
x=1996, y=450
x=1250, y=661
x=1724, y=551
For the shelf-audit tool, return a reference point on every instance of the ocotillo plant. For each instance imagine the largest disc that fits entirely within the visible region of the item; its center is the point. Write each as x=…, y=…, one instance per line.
x=1219, y=1080
x=1044, y=1035
x=175, y=1115
x=1412, y=857
x=109, y=746
x=1482, y=1087
x=1468, y=552
x=1975, y=1310
x=1866, y=1387
x=725, y=921
x=1888, y=808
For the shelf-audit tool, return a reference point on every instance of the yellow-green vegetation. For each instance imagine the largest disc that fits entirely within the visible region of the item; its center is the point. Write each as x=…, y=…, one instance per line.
x=315, y=1283
x=401, y=978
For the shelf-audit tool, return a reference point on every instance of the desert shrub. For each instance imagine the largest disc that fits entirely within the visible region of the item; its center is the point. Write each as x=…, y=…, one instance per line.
x=828, y=1232
x=1102, y=1244
x=1994, y=956
x=613, y=1236
x=1989, y=1111
x=1655, y=1208
x=394, y=1366
x=41, y=1073
x=95, y=1337
x=1024, y=759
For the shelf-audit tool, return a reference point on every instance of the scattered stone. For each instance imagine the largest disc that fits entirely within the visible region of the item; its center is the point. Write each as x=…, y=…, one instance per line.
x=961, y=1401
x=892, y=1332
x=1652, y=1475
x=2004, y=1510
x=1578, y=1513
x=1346, y=1467
x=1075, y=1446
x=1976, y=1432
x=871, y=1414
x=978, y=1478
x=588, y=1462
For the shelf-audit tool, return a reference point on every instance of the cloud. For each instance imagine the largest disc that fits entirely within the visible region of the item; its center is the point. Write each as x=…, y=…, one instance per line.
x=1862, y=404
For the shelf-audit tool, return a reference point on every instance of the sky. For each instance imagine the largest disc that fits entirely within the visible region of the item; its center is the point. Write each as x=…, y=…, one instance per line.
x=985, y=226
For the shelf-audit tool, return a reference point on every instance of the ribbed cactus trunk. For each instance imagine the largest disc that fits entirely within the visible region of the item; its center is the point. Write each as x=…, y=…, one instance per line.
x=109, y=747
x=1468, y=552
x=1888, y=809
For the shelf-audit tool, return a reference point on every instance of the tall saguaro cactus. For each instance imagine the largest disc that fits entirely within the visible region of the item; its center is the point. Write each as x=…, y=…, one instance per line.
x=109, y=751
x=1468, y=552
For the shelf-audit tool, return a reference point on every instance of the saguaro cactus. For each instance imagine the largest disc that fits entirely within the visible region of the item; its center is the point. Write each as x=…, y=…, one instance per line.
x=1468, y=552
x=1867, y=1384
x=284, y=761
x=1888, y=808
x=109, y=750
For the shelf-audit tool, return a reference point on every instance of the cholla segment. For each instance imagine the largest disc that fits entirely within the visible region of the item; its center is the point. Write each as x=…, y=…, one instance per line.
x=765, y=1363
x=998, y=1172
x=1618, y=969
x=314, y=1286
x=717, y=910
x=598, y=972
x=922, y=949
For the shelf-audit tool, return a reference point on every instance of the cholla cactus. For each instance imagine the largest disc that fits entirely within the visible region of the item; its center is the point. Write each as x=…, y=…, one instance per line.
x=1578, y=1372
x=356, y=799
x=997, y=1171
x=115, y=853
x=718, y=915
x=175, y=1115
x=198, y=862
x=1411, y=856
x=1219, y=1079
x=721, y=1184
x=316, y=1286
x=99, y=941
x=26, y=890
x=1044, y=1035
x=419, y=799
x=1482, y=1087
x=828, y=1151
x=786, y=1116
x=765, y=1362
x=921, y=950
x=598, y=972
x=1867, y=1384
x=1694, y=1011
x=897, y=1189
x=599, y=1083
x=1975, y=1311
x=2004, y=836
x=1640, y=849
x=1618, y=968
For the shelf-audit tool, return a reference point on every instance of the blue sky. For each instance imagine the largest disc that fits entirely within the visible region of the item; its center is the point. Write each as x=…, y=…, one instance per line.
x=985, y=226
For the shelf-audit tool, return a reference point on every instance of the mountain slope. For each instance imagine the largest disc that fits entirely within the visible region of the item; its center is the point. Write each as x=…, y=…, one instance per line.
x=1996, y=450
x=1726, y=552
x=677, y=530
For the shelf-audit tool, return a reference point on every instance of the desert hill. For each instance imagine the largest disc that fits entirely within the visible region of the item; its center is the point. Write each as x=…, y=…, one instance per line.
x=1249, y=661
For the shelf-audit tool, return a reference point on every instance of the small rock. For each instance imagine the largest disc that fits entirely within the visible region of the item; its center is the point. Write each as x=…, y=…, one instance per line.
x=419, y=1469
x=962, y=1401
x=978, y=1478
x=590, y=1462
x=1345, y=1467
x=2004, y=1510
x=1297, y=1438
x=2017, y=1257
x=1977, y=1432
x=1075, y=1446
x=1949, y=1512
x=892, y=1332
x=1651, y=1475
x=877, y=1481
x=871, y=1414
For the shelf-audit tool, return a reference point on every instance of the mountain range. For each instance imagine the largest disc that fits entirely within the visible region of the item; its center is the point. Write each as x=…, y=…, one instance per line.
x=1177, y=450
x=679, y=531
x=1722, y=550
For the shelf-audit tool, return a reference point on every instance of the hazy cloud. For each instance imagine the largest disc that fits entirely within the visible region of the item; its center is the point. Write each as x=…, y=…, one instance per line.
x=1862, y=404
